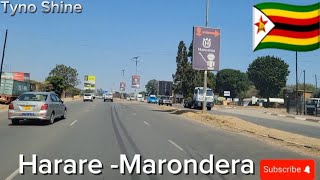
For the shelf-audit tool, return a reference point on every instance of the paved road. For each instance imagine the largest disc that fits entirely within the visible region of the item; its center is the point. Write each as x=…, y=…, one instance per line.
x=105, y=130
x=306, y=128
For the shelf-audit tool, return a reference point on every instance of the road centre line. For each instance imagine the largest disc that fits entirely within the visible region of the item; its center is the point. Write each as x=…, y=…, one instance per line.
x=146, y=123
x=176, y=145
x=14, y=174
x=73, y=122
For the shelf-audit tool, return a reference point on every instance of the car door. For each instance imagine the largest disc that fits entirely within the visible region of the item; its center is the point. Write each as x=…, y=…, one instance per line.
x=54, y=105
x=60, y=105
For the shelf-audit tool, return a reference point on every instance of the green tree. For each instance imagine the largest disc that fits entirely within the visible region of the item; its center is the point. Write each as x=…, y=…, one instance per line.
x=232, y=80
x=317, y=94
x=73, y=91
x=57, y=84
x=269, y=75
x=309, y=87
x=67, y=73
x=152, y=86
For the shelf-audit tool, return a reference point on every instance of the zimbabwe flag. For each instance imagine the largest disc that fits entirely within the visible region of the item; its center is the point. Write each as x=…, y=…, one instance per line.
x=288, y=27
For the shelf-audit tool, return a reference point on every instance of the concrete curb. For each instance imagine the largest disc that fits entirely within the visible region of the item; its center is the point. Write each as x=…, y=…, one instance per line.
x=294, y=117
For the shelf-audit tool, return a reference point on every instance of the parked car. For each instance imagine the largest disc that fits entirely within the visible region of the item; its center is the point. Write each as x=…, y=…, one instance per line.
x=37, y=106
x=153, y=100
x=313, y=106
x=165, y=100
x=87, y=97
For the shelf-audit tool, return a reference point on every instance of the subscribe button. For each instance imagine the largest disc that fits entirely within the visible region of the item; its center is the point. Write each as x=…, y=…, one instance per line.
x=287, y=169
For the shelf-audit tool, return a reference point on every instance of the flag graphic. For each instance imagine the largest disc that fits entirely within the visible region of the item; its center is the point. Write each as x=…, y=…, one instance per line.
x=288, y=27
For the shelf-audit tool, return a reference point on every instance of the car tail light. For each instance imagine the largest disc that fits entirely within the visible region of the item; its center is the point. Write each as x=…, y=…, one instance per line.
x=44, y=107
x=11, y=106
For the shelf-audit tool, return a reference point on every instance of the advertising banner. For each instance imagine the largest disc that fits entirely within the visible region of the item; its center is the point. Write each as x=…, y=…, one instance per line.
x=122, y=86
x=89, y=82
x=206, y=49
x=135, y=82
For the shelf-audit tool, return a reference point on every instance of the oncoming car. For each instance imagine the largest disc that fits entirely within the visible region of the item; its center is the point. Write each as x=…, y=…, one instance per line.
x=45, y=106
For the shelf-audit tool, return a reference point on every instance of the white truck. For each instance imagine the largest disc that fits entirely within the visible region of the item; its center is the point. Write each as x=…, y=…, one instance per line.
x=198, y=98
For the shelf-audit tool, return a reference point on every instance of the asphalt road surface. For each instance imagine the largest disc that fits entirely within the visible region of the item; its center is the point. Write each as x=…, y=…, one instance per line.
x=103, y=131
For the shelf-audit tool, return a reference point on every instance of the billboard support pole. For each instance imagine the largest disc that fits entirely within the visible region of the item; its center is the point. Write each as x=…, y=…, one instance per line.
x=3, y=52
x=204, y=105
x=296, y=82
x=136, y=60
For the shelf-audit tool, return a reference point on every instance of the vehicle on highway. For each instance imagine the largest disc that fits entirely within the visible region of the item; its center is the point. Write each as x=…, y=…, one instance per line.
x=140, y=97
x=165, y=100
x=152, y=99
x=87, y=97
x=37, y=106
x=13, y=84
x=108, y=97
x=313, y=106
x=132, y=97
x=198, y=99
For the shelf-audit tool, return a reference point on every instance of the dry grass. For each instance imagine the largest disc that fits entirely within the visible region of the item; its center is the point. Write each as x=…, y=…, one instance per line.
x=307, y=145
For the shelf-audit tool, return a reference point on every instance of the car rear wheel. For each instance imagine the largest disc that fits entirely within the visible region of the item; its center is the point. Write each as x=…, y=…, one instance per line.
x=51, y=120
x=208, y=108
x=15, y=121
x=64, y=116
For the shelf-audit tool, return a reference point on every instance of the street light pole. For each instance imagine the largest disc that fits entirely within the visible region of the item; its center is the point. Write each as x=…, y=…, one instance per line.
x=315, y=76
x=3, y=52
x=204, y=105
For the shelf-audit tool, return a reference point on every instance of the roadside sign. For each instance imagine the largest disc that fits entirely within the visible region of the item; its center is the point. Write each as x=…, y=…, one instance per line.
x=135, y=82
x=226, y=93
x=206, y=49
x=122, y=86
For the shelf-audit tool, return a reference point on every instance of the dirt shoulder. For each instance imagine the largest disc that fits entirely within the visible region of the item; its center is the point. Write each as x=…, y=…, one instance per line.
x=294, y=142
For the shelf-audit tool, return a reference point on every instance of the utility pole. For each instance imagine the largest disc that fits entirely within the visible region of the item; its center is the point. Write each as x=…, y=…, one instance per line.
x=204, y=105
x=123, y=73
x=304, y=92
x=3, y=52
x=136, y=61
x=315, y=76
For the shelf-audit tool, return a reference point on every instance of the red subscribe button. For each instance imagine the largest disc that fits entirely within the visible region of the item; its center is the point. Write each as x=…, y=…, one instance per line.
x=287, y=169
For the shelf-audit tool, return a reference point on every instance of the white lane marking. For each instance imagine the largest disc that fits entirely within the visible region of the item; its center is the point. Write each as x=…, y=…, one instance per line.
x=73, y=122
x=146, y=123
x=114, y=166
x=176, y=145
x=15, y=173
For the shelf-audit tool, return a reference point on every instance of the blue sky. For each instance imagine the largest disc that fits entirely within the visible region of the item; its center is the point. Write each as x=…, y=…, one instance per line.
x=107, y=34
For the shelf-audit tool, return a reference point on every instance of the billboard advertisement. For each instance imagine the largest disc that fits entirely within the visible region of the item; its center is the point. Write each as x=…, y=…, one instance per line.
x=89, y=82
x=206, y=49
x=135, y=82
x=122, y=86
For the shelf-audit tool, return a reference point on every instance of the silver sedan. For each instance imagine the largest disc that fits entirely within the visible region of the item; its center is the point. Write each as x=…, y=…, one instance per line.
x=37, y=106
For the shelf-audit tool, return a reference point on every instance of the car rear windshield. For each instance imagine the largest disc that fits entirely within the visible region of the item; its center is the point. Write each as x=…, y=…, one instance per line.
x=33, y=97
x=87, y=94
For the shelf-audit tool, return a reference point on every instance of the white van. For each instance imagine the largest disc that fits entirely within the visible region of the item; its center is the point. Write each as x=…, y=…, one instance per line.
x=140, y=98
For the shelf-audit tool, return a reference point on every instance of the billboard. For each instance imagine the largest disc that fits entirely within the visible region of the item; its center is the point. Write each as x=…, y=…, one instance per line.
x=165, y=88
x=135, y=82
x=122, y=86
x=206, y=49
x=89, y=82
